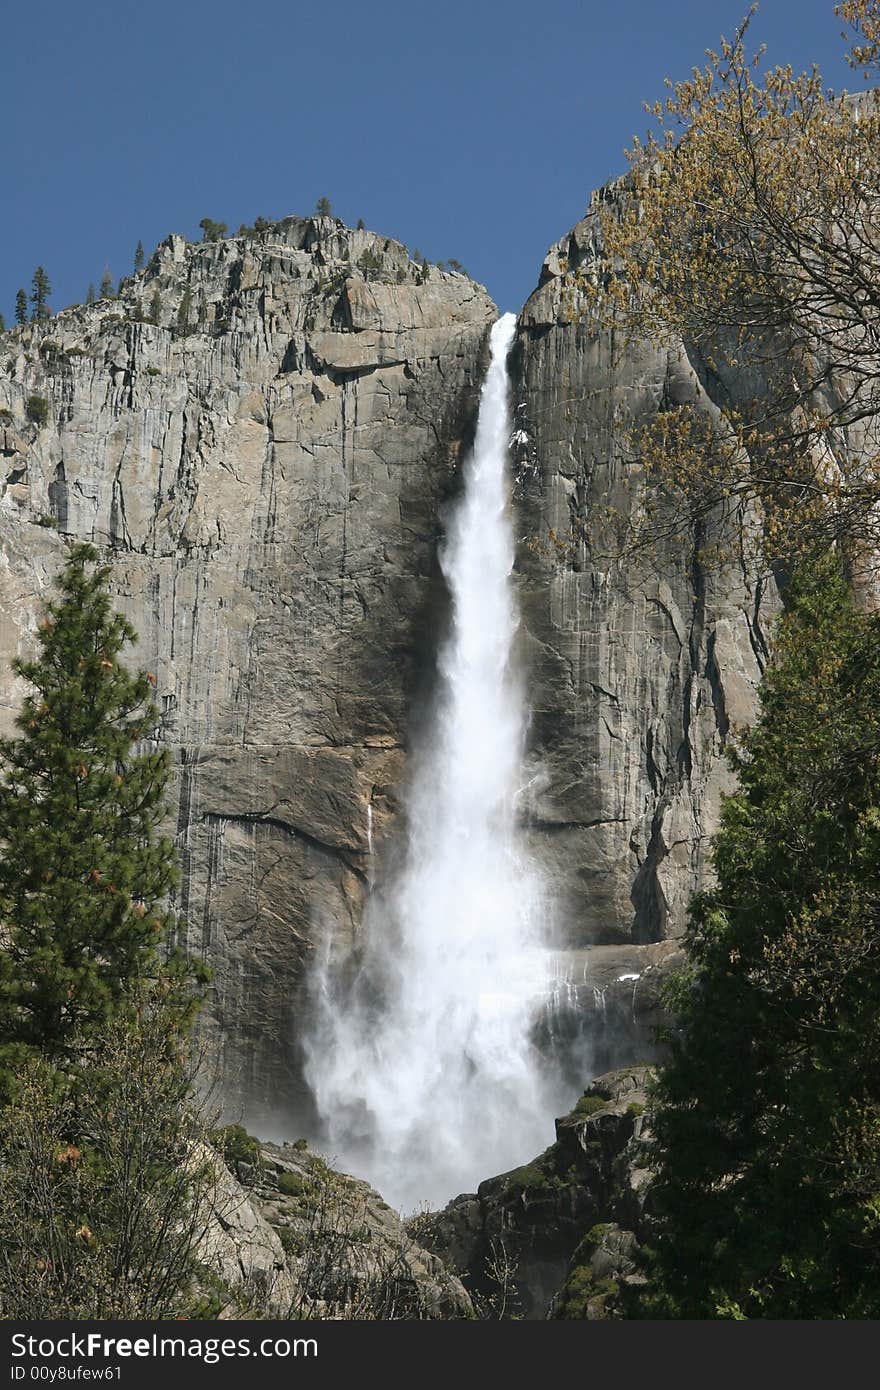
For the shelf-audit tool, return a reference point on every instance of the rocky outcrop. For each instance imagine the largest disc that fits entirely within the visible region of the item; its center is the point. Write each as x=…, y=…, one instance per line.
x=561, y=1230
x=266, y=464
x=287, y=1236
x=640, y=665
x=607, y=1007
x=241, y=1255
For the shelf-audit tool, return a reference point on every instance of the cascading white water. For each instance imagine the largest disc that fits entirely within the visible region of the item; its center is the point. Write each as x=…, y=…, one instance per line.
x=420, y=1058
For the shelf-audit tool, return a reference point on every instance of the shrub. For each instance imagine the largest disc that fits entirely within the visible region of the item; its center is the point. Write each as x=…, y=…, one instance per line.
x=36, y=408
x=236, y=1145
x=291, y=1184
x=103, y=1197
x=589, y=1105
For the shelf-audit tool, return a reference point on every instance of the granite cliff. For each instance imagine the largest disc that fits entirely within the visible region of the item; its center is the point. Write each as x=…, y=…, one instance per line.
x=267, y=464
x=640, y=665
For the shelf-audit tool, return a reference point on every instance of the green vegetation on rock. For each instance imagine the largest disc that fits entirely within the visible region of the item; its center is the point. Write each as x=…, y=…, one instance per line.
x=236, y=1145
x=291, y=1184
x=36, y=408
x=211, y=230
x=589, y=1105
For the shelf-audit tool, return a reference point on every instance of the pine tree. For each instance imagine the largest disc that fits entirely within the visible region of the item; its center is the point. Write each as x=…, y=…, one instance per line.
x=21, y=306
x=323, y=208
x=139, y=257
x=183, y=312
x=156, y=308
x=84, y=874
x=211, y=230
x=40, y=291
x=106, y=290
x=767, y=1118
x=90, y=295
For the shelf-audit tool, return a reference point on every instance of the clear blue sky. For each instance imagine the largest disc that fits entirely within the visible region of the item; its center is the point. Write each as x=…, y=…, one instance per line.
x=472, y=129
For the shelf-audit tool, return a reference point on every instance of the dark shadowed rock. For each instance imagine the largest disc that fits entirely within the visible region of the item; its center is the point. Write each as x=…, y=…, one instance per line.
x=545, y=1220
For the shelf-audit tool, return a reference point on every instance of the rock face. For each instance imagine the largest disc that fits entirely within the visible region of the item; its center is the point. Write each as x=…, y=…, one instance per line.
x=561, y=1230
x=288, y=1236
x=266, y=465
x=607, y=1007
x=240, y=1248
x=639, y=668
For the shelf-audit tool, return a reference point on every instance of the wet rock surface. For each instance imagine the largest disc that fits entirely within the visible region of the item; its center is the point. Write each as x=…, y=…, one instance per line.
x=559, y=1232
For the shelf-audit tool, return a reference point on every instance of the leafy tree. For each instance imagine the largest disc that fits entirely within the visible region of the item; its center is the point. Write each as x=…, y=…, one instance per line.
x=752, y=230
x=767, y=1118
x=863, y=18
x=40, y=291
x=84, y=872
x=212, y=231
x=138, y=257
x=21, y=306
x=323, y=208
x=106, y=291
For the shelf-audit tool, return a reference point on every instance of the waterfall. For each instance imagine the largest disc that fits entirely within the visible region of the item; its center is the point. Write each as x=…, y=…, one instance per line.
x=420, y=1056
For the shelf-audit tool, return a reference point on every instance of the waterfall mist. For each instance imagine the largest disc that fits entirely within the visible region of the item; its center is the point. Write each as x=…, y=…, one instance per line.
x=420, y=1056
